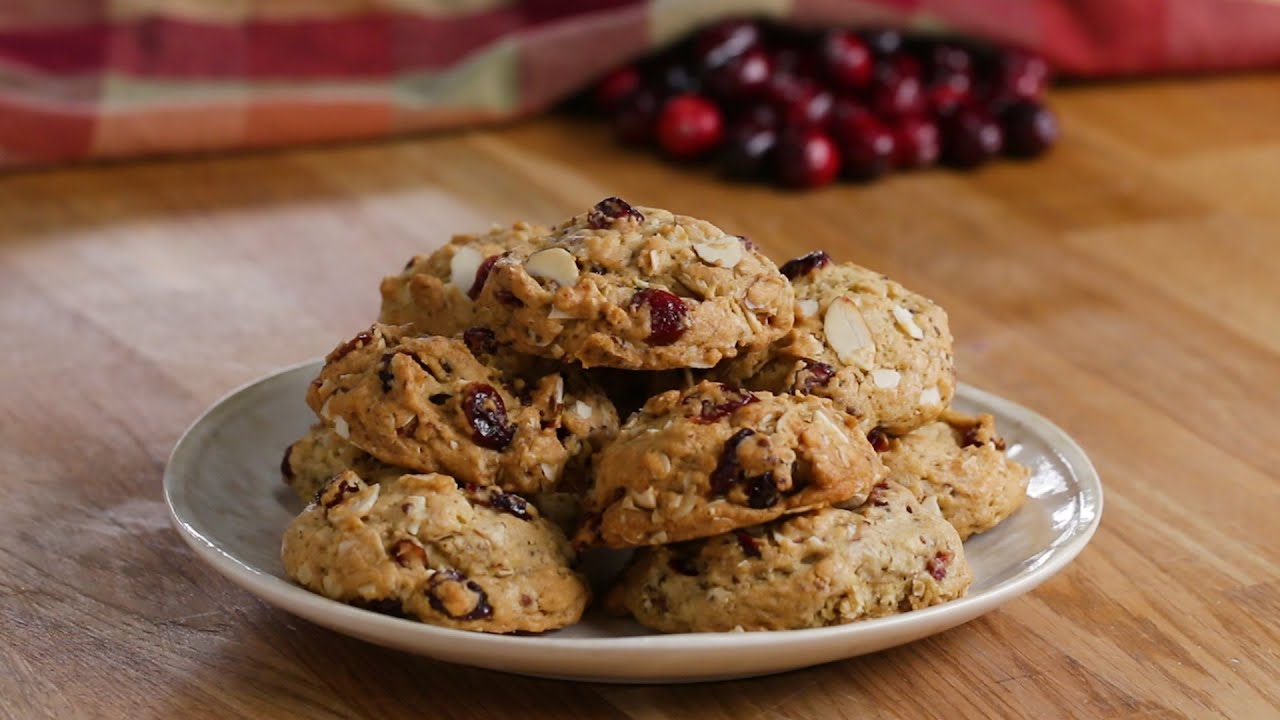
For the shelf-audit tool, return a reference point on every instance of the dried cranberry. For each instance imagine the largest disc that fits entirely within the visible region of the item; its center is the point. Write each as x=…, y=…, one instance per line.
x=510, y=503
x=480, y=341
x=814, y=374
x=481, y=609
x=344, y=488
x=748, y=544
x=286, y=470
x=342, y=350
x=939, y=564
x=876, y=497
x=710, y=412
x=406, y=551
x=683, y=564
x=482, y=274
x=805, y=264
x=383, y=606
x=879, y=439
x=610, y=209
x=762, y=492
x=487, y=414
x=668, y=315
x=506, y=297
x=972, y=437
x=728, y=471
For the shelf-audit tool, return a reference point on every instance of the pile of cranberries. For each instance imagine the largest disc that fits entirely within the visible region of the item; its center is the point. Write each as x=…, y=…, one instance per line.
x=807, y=107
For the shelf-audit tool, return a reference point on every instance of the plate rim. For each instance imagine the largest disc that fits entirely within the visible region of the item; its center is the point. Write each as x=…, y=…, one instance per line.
x=341, y=617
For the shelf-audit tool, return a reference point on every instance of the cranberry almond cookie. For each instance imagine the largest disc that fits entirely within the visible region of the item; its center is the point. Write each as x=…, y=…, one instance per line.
x=434, y=293
x=425, y=547
x=713, y=458
x=880, y=351
x=427, y=404
x=829, y=566
x=311, y=461
x=636, y=288
x=959, y=459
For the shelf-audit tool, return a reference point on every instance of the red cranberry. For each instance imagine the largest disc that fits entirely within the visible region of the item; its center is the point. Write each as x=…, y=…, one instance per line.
x=882, y=41
x=689, y=126
x=762, y=114
x=728, y=470
x=709, y=412
x=748, y=150
x=747, y=543
x=762, y=492
x=740, y=77
x=805, y=264
x=724, y=40
x=604, y=213
x=801, y=102
x=676, y=78
x=866, y=145
x=938, y=565
x=480, y=340
x=482, y=274
x=807, y=159
x=970, y=137
x=487, y=415
x=668, y=315
x=616, y=87
x=879, y=440
x=947, y=60
x=945, y=97
x=847, y=59
x=898, y=95
x=1029, y=129
x=637, y=116
x=916, y=143
x=814, y=374
x=1022, y=75
x=797, y=61
x=479, y=611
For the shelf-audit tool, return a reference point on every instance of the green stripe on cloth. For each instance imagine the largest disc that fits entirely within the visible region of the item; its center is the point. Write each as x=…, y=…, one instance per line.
x=488, y=80
x=670, y=20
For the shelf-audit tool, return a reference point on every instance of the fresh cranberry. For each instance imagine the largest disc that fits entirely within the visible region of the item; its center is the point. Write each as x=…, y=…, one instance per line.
x=709, y=412
x=739, y=77
x=689, y=126
x=763, y=114
x=675, y=77
x=482, y=275
x=916, y=143
x=797, y=62
x=1022, y=75
x=945, y=97
x=812, y=375
x=807, y=159
x=847, y=59
x=724, y=40
x=748, y=150
x=636, y=117
x=487, y=414
x=480, y=340
x=948, y=60
x=805, y=264
x=898, y=95
x=882, y=41
x=1029, y=129
x=866, y=145
x=609, y=210
x=668, y=315
x=970, y=137
x=801, y=102
x=616, y=87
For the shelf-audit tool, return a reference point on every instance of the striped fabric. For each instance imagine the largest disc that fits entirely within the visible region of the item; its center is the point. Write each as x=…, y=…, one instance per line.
x=84, y=79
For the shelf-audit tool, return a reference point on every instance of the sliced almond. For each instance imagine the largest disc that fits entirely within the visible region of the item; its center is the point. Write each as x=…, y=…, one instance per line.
x=582, y=410
x=907, y=322
x=340, y=427
x=931, y=396
x=554, y=264
x=463, y=266
x=725, y=252
x=847, y=333
x=558, y=314
x=647, y=499
x=807, y=307
x=885, y=379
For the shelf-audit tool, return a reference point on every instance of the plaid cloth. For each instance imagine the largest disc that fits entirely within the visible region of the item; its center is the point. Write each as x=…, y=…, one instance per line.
x=108, y=78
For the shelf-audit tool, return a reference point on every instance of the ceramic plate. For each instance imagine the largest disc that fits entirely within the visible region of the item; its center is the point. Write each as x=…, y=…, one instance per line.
x=224, y=491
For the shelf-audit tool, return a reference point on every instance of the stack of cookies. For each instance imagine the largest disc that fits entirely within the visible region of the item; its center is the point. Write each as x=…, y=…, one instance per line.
x=788, y=457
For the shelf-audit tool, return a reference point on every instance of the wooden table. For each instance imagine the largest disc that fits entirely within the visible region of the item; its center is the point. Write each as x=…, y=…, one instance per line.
x=1128, y=287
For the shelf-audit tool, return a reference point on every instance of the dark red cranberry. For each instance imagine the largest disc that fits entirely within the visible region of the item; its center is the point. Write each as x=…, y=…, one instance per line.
x=636, y=117
x=798, y=62
x=725, y=40
x=972, y=438
x=728, y=470
x=689, y=127
x=946, y=97
x=482, y=274
x=847, y=59
x=1022, y=75
x=947, y=60
x=510, y=503
x=762, y=492
x=762, y=114
x=805, y=264
x=939, y=563
x=609, y=210
x=876, y=497
x=676, y=77
x=710, y=412
x=480, y=340
x=748, y=150
x=807, y=159
x=668, y=315
x=879, y=439
x=917, y=143
x=749, y=546
x=898, y=95
x=479, y=611
x=812, y=375
x=970, y=137
x=286, y=469
x=616, y=87
x=1029, y=129
x=340, y=491
x=359, y=341
x=740, y=77
x=866, y=145
x=882, y=41
x=487, y=415
x=800, y=101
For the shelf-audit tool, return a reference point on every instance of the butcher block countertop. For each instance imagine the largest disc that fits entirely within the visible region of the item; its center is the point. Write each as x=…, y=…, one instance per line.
x=1127, y=287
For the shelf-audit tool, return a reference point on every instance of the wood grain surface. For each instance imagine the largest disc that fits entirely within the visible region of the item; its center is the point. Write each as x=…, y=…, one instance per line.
x=1128, y=287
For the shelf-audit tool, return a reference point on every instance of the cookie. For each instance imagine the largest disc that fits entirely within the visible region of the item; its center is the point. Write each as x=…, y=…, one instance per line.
x=880, y=351
x=423, y=547
x=826, y=567
x=636, y=288
x=959, y=459
x=713, y=458
x=429, y=405
x=316, y=457
x=434, y=293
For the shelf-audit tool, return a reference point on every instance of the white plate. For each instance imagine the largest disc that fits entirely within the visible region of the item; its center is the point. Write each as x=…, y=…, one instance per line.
x=224, y=491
